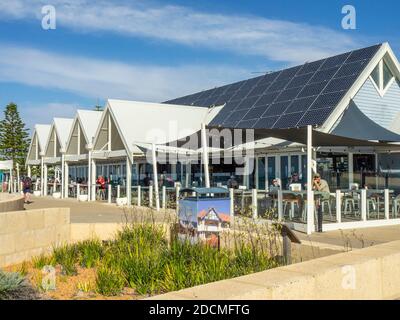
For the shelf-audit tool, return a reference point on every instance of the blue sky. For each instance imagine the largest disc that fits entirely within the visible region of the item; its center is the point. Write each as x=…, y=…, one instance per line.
x=157, y=50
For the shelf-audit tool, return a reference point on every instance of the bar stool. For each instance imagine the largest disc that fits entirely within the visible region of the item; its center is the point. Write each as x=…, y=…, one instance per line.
x=349, y=204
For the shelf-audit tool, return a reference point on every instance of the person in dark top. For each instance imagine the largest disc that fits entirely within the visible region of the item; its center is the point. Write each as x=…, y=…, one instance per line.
x=27, y=185
x=232, y=183
x=146, y=180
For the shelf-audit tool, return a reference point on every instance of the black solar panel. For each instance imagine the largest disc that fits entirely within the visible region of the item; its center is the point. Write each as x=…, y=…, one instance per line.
x=293, y=97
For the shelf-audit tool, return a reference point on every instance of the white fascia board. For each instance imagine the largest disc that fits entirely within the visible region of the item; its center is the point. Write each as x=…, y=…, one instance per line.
x=48, y=139
x=33, y=162
x=71, y=133
x=30, y=145
x=128, y=150
x=352, y=92
x=96, y=136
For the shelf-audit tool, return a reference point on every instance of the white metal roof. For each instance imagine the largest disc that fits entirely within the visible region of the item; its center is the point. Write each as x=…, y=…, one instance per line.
x=42, y=133
x=144, y=122
x=63, y=128
x=90, y=120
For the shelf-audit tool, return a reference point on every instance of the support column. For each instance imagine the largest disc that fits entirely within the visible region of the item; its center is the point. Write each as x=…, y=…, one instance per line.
x=351, y=168
x=45, y=186
x=18, y=189
x=90, y=181
x=129, y=180
x=62, y=175
x=66, y=179
x=41, y=177
x=93, y=180
x=155, y=176
x=29, y=171
x=205, y=155
x=310, y=193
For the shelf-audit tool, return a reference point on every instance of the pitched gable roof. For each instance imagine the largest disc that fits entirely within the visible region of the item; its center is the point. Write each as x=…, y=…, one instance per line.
x=90, y=121
x=295, y=97
x=63, y=127
x=144, y=122
x=42, y=131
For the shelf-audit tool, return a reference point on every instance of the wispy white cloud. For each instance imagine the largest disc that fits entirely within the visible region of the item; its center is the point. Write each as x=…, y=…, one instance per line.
x=278, y=40
x=109, y=79
x=34, y=113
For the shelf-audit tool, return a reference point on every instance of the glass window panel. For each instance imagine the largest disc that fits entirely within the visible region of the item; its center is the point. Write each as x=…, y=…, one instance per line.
x=294, y=164
x=387, y=75
x=304, y=169
x=284, y=171
x=261, y=173
x=375, y=76
x=271, y=169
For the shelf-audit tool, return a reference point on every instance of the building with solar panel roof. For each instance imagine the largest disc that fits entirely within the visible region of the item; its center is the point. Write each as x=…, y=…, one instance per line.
x=338, y=117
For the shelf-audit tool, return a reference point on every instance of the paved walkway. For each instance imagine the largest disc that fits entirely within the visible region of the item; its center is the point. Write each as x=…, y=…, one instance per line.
x=91, y=212
x=357, y=238
x=95, y=212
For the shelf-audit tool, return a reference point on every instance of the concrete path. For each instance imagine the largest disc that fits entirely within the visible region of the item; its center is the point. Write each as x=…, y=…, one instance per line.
x=92, y=212
x=354, y=239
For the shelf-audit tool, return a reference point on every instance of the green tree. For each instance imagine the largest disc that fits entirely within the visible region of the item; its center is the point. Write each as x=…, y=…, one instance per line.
x=14, y=137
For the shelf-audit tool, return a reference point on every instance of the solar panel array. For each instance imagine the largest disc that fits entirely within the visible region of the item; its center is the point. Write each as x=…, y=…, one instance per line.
x=294, y=97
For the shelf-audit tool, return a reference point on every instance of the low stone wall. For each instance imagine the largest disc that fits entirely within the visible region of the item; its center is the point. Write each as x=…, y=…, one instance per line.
x=11, y=202
x=25, y=234
x=101, y=231
x=370, y=273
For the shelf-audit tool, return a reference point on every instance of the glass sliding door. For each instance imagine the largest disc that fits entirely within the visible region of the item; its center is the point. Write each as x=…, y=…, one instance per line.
x=271, y=169
x=261, y=173
x=284, y=171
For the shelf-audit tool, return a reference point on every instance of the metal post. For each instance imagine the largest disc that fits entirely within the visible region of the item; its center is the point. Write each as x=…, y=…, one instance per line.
x=351, y=168
x=45, y=180
x=232, y=203
x=18, y=179
x=155, y=176
x=139, y=196
x=78, y=190
x=129, y=181
x=119, y=191
x=150, y=196
x=254, y=203
x=93, y=180
x=205, y=155
x=164, y=197
x=66, y=180
x=62, y=175
x=109, y=193
x=387, y=196
x=364, y=205
x=90, y=181
x=177, y=190
x=41, y=176
x=280, y=205
x=338, y=206
x=310, y=193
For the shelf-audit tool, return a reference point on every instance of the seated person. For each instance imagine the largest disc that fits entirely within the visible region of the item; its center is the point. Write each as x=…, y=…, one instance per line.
x=232, y=183
x=276, y=185
x=321, y=185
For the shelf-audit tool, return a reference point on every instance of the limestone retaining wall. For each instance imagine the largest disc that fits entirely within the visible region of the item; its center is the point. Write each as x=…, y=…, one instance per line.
x=11, y=202
x=370, y=273
x=25, y=234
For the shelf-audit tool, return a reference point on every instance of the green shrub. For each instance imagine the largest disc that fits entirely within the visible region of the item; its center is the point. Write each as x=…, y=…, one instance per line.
x=109, y=282
x=43, y=260
x=90, y=253
x=14, y=286
x=67, y=256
